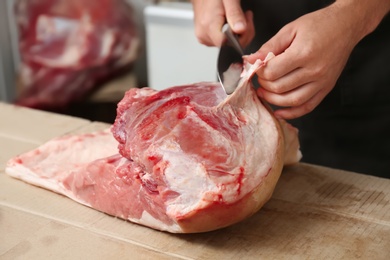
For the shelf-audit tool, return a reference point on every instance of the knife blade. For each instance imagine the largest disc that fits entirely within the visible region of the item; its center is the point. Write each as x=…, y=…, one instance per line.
x=230, y=62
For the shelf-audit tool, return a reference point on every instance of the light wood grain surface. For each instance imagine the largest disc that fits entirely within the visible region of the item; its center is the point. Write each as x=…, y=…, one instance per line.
x=315, y=213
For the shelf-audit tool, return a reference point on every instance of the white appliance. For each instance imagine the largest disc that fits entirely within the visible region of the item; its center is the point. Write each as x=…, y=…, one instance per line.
x=174, y=55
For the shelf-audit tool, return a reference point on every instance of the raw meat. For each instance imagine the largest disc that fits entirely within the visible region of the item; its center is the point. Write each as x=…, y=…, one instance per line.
x=68, y=47
x=191, y=158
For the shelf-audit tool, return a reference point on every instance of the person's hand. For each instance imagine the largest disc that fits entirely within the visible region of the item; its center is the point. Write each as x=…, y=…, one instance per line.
x=211, y=15
x=311, y=53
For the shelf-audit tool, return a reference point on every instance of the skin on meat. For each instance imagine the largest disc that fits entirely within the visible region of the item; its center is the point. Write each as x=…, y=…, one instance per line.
x=189, y=159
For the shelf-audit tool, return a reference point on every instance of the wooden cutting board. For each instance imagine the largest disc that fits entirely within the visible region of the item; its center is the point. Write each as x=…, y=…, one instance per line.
x=315, y=213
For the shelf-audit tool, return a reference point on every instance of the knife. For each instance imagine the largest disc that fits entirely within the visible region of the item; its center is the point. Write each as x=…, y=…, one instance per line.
x=230, y=62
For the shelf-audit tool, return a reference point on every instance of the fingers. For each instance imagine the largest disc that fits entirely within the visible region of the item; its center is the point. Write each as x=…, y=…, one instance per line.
x=299, y=89
x=235, y=16
x=297, y=102
x=303, y=109
x=240, y=22
x=216, y=37
x=277, y=44
x=249, y=34
x=281, y=71
x=296, y=97
x=210, y=34
x=209, y=17
x=282, y=74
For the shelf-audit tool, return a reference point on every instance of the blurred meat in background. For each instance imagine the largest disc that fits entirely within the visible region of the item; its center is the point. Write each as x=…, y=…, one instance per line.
x=69, y=48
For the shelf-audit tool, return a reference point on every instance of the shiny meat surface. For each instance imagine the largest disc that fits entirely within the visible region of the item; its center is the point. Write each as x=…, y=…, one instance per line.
x=189, y=159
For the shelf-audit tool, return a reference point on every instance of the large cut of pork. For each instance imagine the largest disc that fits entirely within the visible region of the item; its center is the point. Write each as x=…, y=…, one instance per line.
x=190, y=158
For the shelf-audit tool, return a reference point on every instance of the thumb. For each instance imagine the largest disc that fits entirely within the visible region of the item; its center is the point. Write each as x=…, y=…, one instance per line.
x=235, y=16
x=277, y=45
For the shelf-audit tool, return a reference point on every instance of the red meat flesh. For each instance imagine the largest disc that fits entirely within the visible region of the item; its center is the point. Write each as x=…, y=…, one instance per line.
x=68, y=47
x=191, y=158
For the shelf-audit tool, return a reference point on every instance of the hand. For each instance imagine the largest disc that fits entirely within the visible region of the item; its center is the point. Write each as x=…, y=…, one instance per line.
x=211, y=15
x=311, y=53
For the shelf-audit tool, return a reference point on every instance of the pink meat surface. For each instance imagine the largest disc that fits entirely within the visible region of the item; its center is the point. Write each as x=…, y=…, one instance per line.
x=191, y=158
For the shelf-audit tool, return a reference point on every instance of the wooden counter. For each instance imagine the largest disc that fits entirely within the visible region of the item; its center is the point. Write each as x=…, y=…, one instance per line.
x=315, y=213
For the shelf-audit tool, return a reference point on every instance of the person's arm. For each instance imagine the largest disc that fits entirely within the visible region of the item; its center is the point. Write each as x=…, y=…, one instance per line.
x=211, y=15
x=311, y=53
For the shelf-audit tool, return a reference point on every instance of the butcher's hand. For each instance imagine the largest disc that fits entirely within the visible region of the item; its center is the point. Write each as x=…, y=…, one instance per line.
x=311, y=53
x=211, y=15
